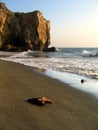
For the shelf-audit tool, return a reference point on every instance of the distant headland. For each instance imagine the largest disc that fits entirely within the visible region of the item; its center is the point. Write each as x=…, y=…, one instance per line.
x=23, y=31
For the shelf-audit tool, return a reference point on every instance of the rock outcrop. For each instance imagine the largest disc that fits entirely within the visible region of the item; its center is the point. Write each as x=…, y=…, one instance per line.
x=51, y=49
x=23, y=31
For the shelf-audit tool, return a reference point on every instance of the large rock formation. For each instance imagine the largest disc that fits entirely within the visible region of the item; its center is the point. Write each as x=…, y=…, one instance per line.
x=23, y=31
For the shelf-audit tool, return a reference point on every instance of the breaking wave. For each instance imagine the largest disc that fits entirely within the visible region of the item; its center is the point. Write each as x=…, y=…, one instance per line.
x=87, y=53
x=71, y=60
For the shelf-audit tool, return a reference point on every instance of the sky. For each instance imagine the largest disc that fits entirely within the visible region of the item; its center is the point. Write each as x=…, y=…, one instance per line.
x=74, y=23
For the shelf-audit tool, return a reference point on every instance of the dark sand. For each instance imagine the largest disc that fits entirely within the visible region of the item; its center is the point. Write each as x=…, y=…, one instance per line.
x=71, y=110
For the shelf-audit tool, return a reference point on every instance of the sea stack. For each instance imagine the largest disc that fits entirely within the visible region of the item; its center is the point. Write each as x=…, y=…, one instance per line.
x=23, y=31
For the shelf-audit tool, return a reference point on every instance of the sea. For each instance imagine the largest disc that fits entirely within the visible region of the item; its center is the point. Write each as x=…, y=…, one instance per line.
x=69, y=65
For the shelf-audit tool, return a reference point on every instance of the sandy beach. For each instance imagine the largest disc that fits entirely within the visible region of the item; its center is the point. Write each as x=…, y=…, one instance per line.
x=72, y=109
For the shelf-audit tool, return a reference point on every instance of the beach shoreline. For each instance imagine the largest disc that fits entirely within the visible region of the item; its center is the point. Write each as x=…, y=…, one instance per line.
x=89, y=85
x=72, y=109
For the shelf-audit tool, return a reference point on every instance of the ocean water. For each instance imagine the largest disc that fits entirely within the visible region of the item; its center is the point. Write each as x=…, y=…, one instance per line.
x=68, y=65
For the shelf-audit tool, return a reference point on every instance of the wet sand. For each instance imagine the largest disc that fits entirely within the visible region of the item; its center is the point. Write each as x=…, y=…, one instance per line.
x=72, y=109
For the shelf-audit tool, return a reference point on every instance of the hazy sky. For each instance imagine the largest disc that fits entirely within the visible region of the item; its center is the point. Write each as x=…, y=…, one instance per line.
x=74, y=23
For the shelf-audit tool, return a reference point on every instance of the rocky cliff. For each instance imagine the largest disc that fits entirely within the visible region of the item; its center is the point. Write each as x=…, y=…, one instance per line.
x=23, y=31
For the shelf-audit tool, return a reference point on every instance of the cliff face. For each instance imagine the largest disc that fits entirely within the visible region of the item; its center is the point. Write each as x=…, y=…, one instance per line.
x=23, y=31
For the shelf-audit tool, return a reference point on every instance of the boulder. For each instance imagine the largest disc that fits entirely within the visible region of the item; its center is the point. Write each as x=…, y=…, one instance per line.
x=23, y=31
x=51, y=49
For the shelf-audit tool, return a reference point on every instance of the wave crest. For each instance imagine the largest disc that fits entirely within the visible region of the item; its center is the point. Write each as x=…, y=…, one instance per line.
x=86, y=53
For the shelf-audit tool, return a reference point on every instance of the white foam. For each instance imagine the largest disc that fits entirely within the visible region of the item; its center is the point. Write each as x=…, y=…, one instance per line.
x=88, y=53
x=81, y=66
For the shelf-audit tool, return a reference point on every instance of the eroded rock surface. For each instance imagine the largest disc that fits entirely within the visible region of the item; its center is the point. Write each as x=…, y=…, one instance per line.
x=23, y=31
